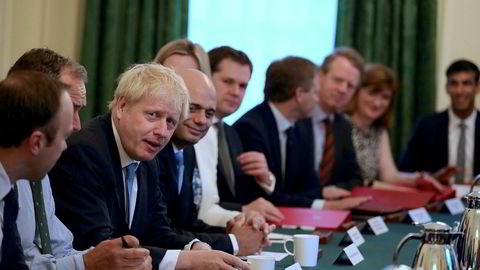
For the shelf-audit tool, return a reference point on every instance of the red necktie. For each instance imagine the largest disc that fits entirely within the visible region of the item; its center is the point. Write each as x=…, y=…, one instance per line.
x=328, y=159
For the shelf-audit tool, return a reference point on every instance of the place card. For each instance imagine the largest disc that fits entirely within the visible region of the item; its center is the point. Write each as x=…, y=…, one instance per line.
x=378, y=225
x=419, y=215
x=356, y=236
x=295, y=266
x=353, y=254
x=455, y=206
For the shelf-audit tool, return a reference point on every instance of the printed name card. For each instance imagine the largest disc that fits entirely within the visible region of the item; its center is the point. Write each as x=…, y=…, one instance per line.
x=356, y=236
x=295, y=266
x=455, y=206
x=378, y=225
x=419, y=215
x=353, y=254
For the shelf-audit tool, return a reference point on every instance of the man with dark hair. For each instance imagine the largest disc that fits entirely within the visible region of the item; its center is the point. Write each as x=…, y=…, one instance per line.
x=449, y=138
x=36, y=115
x=291, y=87
x=238, y=173
x=181, y=185
x=46, y=242
x=329, y=133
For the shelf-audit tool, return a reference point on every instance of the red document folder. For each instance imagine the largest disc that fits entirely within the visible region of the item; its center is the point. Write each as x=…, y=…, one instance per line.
x=320, y=219
x=390, y=201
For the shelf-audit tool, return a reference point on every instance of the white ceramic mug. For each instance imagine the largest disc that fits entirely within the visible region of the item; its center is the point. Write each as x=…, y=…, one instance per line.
x=305, y=249
x=260, y=262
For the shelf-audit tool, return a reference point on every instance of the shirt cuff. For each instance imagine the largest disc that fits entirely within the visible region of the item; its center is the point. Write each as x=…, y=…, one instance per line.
x=318, y=204
x=269, y=188
x=189, y=245
x=234, y=243
x=169, y=261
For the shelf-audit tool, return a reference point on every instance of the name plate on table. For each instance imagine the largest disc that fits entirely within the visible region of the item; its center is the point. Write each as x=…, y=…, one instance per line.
x=295, y=266
x=420, y=215
x=378, y=225
x=356, y=236
x=353, y=254
x=455, y=206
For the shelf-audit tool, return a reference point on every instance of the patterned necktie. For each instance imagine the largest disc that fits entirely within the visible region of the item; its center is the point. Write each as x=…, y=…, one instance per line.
x=129, y=175
x=224, y=156
x=12, y=253
x=197, y=188
x=179, y=160
x=328, y=159
x=460, y=176
x=289, y=152
x=41, y=217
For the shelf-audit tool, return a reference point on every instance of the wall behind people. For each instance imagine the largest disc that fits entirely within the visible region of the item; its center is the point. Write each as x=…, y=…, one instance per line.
x=26, y=24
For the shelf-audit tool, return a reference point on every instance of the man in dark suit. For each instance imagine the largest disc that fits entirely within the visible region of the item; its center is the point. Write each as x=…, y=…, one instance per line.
x=329, y=133
x=290, y=95
x=182, y=185
x=36, y=114
x=106, y=183
x=449, y=138
x=242, y=177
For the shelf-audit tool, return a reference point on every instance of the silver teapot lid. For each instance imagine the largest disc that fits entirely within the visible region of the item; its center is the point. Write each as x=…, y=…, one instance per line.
x=473, y=200
x=438, y=233
x=436, y=227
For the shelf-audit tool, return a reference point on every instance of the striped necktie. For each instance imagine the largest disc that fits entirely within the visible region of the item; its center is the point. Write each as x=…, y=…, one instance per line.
x=328, y=159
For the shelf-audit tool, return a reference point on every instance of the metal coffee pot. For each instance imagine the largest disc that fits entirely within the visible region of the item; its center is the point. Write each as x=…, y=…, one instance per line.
x=436, y=250
x=468, y=246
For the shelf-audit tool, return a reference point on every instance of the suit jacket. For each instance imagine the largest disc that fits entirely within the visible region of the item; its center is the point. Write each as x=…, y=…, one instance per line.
x=87, y=184
x=246, y=188
x=346, y=171
x=180, y=207
x=427, y=150
x=258, y=132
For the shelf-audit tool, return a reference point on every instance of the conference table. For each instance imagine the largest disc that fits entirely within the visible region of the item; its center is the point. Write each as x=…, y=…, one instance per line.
x=377, y=250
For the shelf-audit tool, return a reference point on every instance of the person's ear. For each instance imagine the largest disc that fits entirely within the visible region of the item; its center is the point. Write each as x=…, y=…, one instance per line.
x=120, y=106
x=299, y=94
x=36, y=142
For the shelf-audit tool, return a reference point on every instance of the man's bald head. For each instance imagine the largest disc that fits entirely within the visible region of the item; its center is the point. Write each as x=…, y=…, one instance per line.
x=202, y=108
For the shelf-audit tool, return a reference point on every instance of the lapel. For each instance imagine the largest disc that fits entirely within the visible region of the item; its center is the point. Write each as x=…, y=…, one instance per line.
x=442, y=137
x=476, y=149
x=116, y=165
x=272, y=135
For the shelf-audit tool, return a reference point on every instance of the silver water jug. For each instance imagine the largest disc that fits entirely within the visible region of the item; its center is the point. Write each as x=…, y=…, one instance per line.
x=468, y=245
x=436, y=251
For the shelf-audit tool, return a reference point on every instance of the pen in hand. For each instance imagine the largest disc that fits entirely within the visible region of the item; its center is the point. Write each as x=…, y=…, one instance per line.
x=124, y=243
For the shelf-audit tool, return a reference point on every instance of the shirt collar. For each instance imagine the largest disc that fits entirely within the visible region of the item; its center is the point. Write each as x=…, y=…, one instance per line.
x=319, y=115
x=455, y=121
x=125, y=160
x=5, y=183
x=282, y=122
x=175, y=149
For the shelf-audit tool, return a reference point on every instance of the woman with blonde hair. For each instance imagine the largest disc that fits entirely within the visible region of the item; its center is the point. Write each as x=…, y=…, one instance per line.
x=370, y=111
x=182, y=54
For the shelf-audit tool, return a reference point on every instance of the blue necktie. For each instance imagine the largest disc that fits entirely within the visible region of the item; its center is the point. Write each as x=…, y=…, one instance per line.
x=180, y=168
x=129, y=175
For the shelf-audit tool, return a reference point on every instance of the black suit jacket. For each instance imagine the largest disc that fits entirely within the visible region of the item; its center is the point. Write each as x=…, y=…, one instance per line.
x=258, y=132
x=246, y=188
x=180, y=207
x=427, y=150
x=87, y=184
x=346, y=171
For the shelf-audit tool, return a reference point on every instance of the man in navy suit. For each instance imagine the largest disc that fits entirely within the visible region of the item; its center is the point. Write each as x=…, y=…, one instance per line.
x=182, y=184
x=291, y=87
x=106, y=183
x=449, y=138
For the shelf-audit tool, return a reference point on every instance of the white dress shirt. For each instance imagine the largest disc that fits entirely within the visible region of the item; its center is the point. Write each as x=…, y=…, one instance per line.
x=63, y=255
x=282, y=125
x=5, y=187
x=454, y=137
